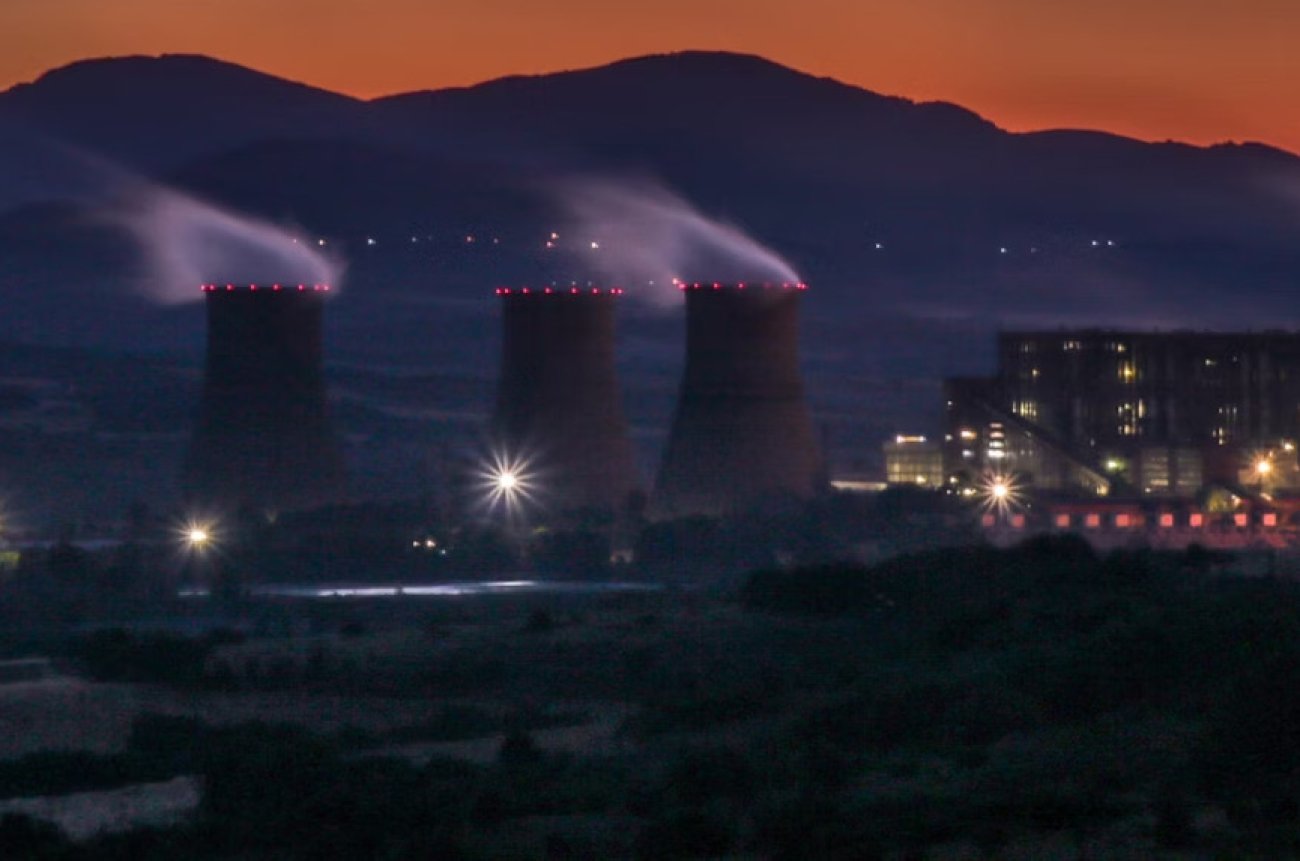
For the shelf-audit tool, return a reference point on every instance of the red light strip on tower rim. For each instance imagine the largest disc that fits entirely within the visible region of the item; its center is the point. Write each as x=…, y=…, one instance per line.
x=253, y=288
x=559, y=291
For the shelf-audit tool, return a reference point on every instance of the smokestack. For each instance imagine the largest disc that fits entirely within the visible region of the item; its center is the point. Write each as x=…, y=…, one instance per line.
x=741, y=435
x=263, y=438
x=558, y=405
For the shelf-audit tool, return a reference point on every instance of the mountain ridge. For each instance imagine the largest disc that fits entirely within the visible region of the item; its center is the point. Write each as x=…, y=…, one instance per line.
x=922, y=226
x=699, y=60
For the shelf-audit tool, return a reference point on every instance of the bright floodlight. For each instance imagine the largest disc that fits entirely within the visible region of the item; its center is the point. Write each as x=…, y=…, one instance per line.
x=506, y=481
x=999, y=493
x=196, y=534
x=1263, y=467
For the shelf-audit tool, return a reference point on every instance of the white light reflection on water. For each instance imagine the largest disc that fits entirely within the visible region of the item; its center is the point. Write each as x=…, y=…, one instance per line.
x=442, y=590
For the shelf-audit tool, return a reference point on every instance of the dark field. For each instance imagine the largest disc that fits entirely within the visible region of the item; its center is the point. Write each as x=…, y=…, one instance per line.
x=1033, y=703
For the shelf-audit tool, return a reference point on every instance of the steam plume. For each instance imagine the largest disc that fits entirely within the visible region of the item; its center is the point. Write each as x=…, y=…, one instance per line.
x=187, y=242
x=644, y=233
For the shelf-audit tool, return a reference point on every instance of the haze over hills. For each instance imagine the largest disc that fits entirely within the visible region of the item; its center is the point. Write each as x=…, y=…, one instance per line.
x=922, y=227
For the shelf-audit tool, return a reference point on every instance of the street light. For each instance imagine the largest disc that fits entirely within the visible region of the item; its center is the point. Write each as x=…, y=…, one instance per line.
x=195, y=538
x=999, y=494
x=197, y=535
x=1263, y=469
x=507, y=482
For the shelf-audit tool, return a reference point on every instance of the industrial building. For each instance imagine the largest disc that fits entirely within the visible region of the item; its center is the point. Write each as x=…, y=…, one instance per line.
x=263, y=439
x=741, y=435
x=558, y=420
x=914, y=460
x=1147, y=413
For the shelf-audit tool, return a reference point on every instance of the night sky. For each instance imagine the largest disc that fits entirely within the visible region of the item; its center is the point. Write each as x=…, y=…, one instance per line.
x=1195, y=70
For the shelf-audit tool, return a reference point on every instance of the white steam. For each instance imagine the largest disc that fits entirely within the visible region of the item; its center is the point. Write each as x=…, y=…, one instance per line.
x=637, y=232
x=187, y=242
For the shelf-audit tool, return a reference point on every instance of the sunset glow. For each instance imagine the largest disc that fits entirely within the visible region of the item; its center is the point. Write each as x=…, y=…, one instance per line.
x=1196, y=70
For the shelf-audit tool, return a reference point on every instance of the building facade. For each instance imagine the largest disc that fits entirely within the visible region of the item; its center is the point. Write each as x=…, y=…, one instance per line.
x=1156, y=413
x=915, y=461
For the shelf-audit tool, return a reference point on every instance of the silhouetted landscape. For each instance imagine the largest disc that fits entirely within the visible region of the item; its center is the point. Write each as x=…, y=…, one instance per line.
x=532, y=470
x=1035, y=702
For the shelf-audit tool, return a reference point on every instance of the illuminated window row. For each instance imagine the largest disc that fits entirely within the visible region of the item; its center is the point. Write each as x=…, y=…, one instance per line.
x=1165, y=520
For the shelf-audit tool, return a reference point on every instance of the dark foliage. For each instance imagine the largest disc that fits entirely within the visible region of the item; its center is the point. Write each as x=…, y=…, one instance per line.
x=25, y=839
x=118, y=655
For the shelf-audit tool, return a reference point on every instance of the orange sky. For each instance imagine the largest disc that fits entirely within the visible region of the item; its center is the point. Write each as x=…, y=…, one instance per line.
x=1196, y=70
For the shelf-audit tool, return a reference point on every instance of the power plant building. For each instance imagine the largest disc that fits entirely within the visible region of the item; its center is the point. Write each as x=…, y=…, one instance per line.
x=558, y=410
x=1158, y=413
x=914, y=461
x=263, y=438
x=741, y=435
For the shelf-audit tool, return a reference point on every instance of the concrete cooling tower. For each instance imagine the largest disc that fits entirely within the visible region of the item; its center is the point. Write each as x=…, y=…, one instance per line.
x=558, y=409
x=741, y=435
x=263, y=438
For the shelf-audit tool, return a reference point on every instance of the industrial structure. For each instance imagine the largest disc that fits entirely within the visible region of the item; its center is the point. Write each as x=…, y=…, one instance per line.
x=914, y=461
x=1142, y=413
x=558, y=420
x=263, y=439
x=741, y=435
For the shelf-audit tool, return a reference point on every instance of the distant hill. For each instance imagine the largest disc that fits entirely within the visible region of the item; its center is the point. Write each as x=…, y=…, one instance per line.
x=153, y=113
x=922, y=226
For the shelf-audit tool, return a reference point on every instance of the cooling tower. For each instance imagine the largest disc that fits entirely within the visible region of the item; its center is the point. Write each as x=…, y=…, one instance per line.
x=263, y=438
x=558, y=408
x=741, y=435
